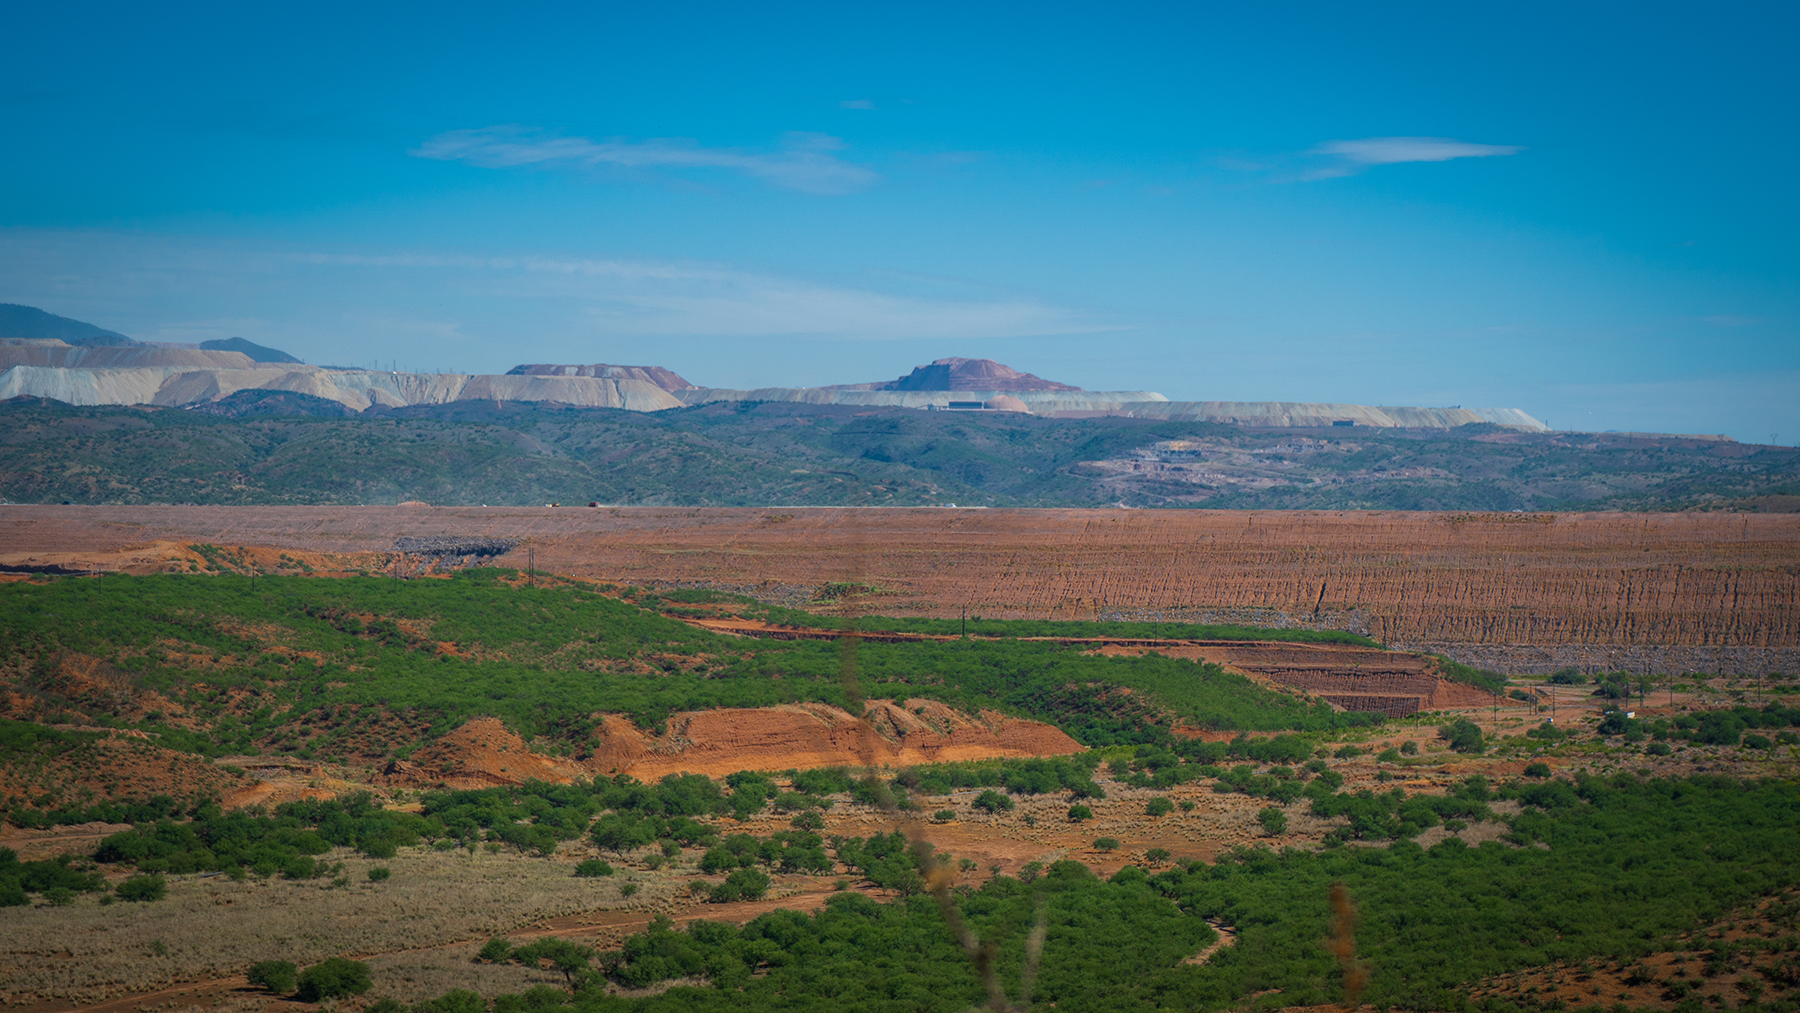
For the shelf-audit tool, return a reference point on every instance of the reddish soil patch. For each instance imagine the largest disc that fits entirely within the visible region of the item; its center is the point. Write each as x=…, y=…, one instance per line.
x=484, y=752
x=79, y=838
x=113, y=767
x=184, y=996
x=1678, y=579
x=1766, y=970
x=481, y=754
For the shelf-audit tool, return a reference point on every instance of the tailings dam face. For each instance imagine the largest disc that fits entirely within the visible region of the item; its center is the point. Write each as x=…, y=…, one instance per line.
x=1728, y=584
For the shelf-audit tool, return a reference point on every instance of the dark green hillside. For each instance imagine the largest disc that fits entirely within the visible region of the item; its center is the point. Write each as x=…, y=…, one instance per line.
x=366, y=669
x=761, y=454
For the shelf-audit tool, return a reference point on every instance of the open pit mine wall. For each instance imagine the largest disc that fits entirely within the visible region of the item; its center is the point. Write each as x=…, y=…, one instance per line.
x=174, y=377
x=1394, y=683
x=1141, y=404
x=1039, y=402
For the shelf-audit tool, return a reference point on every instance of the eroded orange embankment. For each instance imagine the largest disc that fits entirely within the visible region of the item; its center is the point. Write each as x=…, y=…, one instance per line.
x=717, y=742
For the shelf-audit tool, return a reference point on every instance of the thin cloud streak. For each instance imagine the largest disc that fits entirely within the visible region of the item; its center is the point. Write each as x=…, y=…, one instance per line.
x=1354, y=156
x=805, y=163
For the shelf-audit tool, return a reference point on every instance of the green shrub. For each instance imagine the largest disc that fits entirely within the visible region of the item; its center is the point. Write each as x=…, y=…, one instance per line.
x=1159, y=806
x=497, y=950
x=333, y=979
x=457, y=1000
x=277, y=976
x=1156, y=856
x=142, y=888
x=593, y=868
x=1106, y=844
x=1350, y=752
x=944, y=815
x=1409, y=747
x=380, y=874
x=1463, y=735
x=1658, y=749
x=1078, y=812
x=1274, y=821
x=741, y=884
x=563, y=955
x=1537, y=770
x=536, y=999
x=994, y=802
x=1389, y=756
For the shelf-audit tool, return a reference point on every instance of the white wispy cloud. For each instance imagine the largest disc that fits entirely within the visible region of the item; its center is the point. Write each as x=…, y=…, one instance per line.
x=805, y=161
x=857, y=103
x=1353, y=156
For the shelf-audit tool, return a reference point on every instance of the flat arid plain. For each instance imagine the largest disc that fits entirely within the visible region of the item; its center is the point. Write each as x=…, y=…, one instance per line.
x=671, y=758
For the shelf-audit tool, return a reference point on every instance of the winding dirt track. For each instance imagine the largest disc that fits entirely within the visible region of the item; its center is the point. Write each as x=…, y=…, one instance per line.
x=1726, y=581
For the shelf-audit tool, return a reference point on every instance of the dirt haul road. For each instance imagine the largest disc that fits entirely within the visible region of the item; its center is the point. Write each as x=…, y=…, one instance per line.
x=1708, y=590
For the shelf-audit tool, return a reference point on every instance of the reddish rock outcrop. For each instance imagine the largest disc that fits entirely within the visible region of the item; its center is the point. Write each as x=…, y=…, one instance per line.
x=962, y=374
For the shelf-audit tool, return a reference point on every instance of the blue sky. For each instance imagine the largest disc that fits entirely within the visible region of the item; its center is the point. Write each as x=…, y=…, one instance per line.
x=1584, y=211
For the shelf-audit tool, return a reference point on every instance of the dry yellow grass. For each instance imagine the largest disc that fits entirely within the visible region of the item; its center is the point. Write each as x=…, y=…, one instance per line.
x=214, y=928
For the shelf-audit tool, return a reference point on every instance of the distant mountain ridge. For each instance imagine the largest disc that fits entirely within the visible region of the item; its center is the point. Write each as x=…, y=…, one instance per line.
x=258, y=353
x=18, y=321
